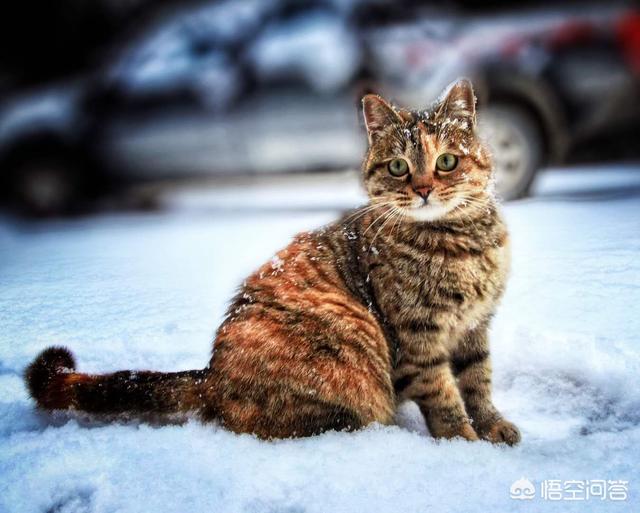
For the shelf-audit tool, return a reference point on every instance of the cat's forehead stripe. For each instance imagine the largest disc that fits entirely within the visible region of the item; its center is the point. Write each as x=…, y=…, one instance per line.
x=425, y=139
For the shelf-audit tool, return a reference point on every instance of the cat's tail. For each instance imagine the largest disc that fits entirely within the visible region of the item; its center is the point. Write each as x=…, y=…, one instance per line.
x=54, y=384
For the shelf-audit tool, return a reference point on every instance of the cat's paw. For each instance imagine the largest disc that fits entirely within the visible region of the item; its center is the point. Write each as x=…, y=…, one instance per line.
x=462, y=430
x=503, y=432
x=467, y=432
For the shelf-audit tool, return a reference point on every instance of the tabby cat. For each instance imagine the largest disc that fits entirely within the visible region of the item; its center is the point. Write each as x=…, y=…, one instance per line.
x=391, y=302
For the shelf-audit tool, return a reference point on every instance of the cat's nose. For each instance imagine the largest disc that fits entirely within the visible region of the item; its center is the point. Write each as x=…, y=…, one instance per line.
x=423, y=192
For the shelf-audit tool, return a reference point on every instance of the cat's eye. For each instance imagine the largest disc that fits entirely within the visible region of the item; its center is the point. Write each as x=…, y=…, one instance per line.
x=398, y=167
x=446, y=162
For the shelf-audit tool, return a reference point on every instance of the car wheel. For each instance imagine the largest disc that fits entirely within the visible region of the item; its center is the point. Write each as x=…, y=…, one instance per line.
x=44, y=187
x=516, y=145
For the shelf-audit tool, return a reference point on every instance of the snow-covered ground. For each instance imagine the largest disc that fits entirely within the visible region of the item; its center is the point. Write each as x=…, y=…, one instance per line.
x=148, y=290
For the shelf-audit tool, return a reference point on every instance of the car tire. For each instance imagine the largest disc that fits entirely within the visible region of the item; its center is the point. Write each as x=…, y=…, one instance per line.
x=45, y=187
x=517, y=147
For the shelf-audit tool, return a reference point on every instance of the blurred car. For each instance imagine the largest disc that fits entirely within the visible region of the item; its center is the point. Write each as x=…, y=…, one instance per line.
x=272, y=86
x=556, y=84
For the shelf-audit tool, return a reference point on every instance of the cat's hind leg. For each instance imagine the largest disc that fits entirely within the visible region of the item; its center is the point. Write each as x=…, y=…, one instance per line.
x=299, y=377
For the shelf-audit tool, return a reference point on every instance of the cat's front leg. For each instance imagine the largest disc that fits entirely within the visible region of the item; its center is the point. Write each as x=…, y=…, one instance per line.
x=472, y=367
x=429, y=382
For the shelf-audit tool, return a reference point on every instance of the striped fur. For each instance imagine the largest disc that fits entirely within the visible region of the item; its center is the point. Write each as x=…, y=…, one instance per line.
x=349, y=320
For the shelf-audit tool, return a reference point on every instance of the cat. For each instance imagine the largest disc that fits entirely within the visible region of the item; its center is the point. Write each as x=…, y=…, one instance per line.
x=392, y=302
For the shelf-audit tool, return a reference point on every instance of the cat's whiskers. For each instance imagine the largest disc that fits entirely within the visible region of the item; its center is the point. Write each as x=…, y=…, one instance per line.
x=383, y=216
x=365, y=210
x=393, y=213
x=400, y=217
x=463, y=208
x=373, y=203
x=472, y=203
x=465, y=199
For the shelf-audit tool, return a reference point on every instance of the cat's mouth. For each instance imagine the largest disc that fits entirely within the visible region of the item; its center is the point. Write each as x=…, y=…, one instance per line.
x=427, y=209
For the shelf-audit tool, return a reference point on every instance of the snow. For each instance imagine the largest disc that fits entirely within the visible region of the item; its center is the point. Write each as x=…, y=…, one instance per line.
x=148, y=290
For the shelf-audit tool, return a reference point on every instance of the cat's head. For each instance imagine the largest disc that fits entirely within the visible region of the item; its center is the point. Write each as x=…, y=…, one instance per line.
x=430, y=164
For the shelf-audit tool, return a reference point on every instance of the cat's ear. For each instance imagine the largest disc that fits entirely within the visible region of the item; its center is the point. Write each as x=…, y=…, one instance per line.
x=459, y=103
x=378, y=114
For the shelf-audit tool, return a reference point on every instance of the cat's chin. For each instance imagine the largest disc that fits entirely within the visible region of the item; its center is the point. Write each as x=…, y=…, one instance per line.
x=427, y=213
